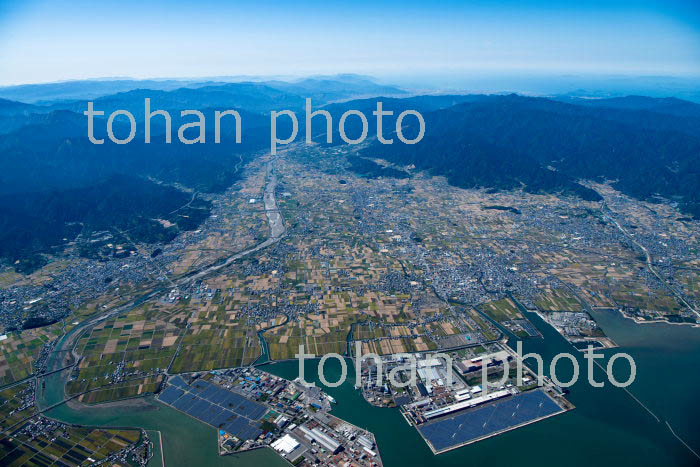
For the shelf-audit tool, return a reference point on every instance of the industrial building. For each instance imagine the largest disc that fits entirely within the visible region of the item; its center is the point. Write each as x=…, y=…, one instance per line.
x=285, y=445
x=465, y=404
x=321, y=438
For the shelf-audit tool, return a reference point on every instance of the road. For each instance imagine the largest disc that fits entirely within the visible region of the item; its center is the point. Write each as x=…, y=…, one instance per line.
x=649, y=259
x=66, y=344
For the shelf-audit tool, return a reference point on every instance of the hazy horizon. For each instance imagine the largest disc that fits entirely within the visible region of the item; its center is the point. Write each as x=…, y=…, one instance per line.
x=44, y=41
x=543, y=85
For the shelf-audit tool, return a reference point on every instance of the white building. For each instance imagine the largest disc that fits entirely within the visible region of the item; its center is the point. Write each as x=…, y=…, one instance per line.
x=285, y=444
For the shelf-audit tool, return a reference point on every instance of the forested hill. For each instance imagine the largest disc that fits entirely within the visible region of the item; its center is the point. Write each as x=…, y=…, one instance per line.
x=543, y=145
x=648, y=147
x=59, y=189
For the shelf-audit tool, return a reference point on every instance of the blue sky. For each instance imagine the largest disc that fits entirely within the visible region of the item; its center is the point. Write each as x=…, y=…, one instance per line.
x=56, y=40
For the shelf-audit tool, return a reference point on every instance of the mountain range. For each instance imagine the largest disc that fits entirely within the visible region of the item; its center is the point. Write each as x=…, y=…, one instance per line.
x=646, y=147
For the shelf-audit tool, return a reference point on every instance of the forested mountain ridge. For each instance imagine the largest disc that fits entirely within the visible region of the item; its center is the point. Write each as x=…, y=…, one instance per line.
x=505, y=142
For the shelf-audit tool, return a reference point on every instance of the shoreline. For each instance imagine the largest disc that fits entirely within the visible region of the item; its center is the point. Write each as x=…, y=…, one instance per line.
x=131, y=403
x=661, y=320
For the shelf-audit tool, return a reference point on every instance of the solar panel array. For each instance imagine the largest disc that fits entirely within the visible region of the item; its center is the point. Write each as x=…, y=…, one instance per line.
x=463, y=427
x=216, y=406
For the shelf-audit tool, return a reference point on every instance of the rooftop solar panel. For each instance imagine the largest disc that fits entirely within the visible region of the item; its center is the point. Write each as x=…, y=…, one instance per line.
x=199, y=387
x=234, y=427
x=209, y=392
x=185, y=402
x=258, y=412
x=198, y=408
x=221, y=418
x=210, y=417
x=219, y=397
x=179, y=382
x=170, y=394
x=215, y=406
x=470, y=425
x=231, y=403
x=246, y=432
x=214, y=410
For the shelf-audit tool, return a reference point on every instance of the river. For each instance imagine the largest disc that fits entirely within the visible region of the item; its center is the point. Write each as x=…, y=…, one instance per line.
x=186, y=441
x=608, y=428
